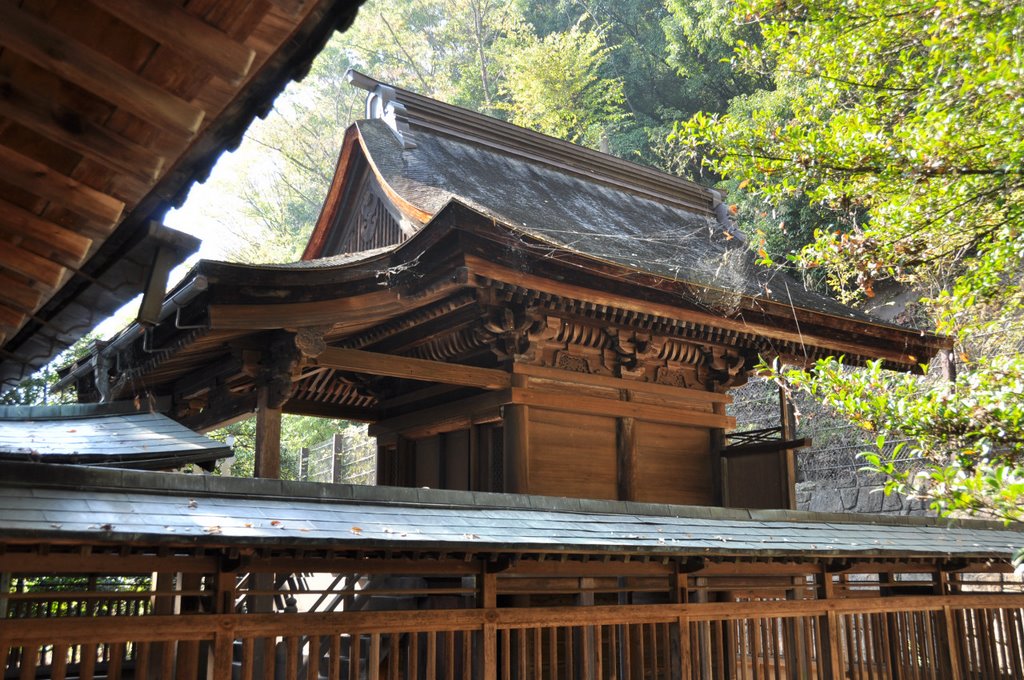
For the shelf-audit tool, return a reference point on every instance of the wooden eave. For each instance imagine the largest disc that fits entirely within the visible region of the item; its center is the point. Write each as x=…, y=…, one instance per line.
x=110, y=110
x=387, y=303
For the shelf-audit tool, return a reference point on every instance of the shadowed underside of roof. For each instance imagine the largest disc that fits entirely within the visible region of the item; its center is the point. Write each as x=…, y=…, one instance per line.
x=111, y=109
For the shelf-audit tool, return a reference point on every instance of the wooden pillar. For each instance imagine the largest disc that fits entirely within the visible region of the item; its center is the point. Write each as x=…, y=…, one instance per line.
x=717, y=443
x=628, y=457
x=787, y=418
x=517, y=448
x=268, y=437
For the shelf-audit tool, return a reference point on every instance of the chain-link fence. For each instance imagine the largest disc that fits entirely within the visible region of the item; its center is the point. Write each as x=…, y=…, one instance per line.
x=828, y=473
x=348, y=457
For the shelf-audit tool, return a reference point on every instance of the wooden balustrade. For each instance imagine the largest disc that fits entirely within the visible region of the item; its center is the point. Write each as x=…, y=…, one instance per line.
x=920, y=637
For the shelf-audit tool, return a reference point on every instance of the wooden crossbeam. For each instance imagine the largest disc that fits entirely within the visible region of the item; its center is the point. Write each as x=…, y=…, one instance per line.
x=166, y=22
x=73, y=61
x=42, y=180
x=78, y=133
x=20, y=223
x=359, y=361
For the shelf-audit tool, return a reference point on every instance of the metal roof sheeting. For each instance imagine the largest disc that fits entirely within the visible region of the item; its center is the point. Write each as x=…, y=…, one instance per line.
x=106, y=505
x=104, y=437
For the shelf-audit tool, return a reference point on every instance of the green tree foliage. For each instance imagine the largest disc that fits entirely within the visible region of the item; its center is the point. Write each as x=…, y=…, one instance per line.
x=554, y=84
x=905, y=118
x=297, y=432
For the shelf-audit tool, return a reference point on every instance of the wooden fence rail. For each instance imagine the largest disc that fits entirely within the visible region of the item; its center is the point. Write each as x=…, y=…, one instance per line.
x=958, y=637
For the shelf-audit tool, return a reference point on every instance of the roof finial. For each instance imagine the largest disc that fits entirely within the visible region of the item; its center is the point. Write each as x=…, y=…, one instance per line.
x=381, y=103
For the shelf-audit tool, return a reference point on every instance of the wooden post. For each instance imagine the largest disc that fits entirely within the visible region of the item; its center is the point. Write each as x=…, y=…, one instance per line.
x=487, y=598
x=830, y=641
x=787, y=418
x=717, y=443
x=268, y=437
x=517, y=443
x=628, y=455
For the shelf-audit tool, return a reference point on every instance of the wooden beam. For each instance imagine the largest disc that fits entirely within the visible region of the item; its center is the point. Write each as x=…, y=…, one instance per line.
x=42, y=180
x=59, y=53
x=359, y=361
x=560, y=375
x=16, y=221
x=43, y=271
x=572, y=403
x=77, y=132
x=166, y=22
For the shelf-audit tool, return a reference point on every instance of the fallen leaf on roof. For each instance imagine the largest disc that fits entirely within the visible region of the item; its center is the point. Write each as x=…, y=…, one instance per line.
x=356, y=530
x=212, y=530
x=107, y=527
x=275, y=523
x=192, y=503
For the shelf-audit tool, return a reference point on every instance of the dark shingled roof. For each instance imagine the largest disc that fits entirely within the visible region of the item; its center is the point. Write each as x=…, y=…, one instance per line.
x=585, y=214
x=109, y=505
x=115, y=435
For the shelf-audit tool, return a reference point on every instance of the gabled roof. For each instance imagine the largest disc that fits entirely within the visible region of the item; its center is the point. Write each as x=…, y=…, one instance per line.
x=108, y=435
x=111, y=109
x=107, y=506
x=426, y=154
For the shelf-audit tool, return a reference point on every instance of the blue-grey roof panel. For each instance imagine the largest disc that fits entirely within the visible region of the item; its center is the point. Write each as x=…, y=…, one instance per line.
x=109, y=505
x=141, y=439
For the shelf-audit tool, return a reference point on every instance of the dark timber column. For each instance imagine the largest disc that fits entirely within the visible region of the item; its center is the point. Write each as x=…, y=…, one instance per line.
x=787, y=418
x=516, y=430
x=268, y=437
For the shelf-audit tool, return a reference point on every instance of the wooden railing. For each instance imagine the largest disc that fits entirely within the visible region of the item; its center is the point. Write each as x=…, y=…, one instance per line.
x=956, y=637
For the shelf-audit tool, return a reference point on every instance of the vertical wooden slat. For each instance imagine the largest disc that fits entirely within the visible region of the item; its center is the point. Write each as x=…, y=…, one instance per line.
x=334, y=658
x=373, y=657
x=449, y=655
x=598, y=652
x=313, y=658
x=538, y=662
x=29, y=659
x=414, y=655
x=354, y=653
x=506, y=654
x=467, y=655
x=521, y=638
x=116, y=657
x=59, y=664
x=142, y=661
x=553, y=653
x=394, y=655
x=490, y=655
x=223, y=647
x=87, y=666
x=431, y=656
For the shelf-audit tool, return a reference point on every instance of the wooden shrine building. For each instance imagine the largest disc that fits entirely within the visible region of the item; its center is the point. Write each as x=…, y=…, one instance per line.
x=545, y=336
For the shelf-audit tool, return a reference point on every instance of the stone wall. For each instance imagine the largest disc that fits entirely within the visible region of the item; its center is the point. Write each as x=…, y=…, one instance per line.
x=829, y=478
